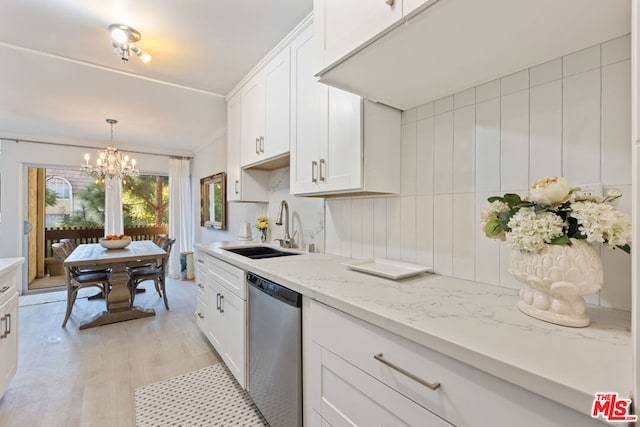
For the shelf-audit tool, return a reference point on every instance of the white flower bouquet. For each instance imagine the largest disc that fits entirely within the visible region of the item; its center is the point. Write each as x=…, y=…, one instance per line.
x=553, y=213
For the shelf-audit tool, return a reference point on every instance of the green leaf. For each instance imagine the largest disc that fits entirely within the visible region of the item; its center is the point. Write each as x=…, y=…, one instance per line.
x=625, y=248
x=495, y=199
x=504, y=218
x=512, y=199
x=493, y=228
x=561, y=240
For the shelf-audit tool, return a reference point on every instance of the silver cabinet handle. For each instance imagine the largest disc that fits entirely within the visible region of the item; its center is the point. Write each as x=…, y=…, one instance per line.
x=390, y=2
x=257, y=145
x=218, y=302
x=221, y=303
x=433, y=386
x=4, y=289
x=200, y=261
x=200, y=286
x=5, y=330
x=314, y=168
x=200, y=315
x=262, y=144
x=8, y=323
x=235, y=186
x=323, y=175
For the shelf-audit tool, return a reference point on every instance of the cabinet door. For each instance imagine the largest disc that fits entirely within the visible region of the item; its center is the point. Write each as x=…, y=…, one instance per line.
x=214, y=317
x=233, y=309
x=233, y=148
x=340, y=165
x=341, y=26
x=252, y=120
x=8, y=341
x=274, y=140
x=306, y=136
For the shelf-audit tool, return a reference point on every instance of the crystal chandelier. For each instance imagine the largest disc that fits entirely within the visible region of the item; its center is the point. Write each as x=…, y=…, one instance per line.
x=110, y=163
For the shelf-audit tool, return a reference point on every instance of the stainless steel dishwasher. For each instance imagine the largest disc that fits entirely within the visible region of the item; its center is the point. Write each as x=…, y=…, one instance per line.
x=275, y=351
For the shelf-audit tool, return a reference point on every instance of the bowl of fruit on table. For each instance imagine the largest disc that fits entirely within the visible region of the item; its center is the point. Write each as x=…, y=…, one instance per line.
x=115, y=241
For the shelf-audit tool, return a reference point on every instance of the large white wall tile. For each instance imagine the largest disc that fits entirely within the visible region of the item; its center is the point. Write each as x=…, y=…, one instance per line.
x=506, y=279
x=487, y=251
x=515, y=82
x=408, y=162
x=380, y=228
x=464, y=98
x=408, y=116
x=545, y=144
x=368, y=229
x=616, y=123
x=464, y=149
x=464, y=236
x=443, y=153
x=425, y=111
x=424, y=230
x=443, y=234
x=514, y=141
x=356, y=228
x=332, y=220
x=545, y=73
x=346, y=233
x=488, y=146
x=616, y=50
x=581, y=128
x=424, y=149
x=409, y=230
x=443, y=105
x=488, y=91
x=581, y=61
x=394, y=228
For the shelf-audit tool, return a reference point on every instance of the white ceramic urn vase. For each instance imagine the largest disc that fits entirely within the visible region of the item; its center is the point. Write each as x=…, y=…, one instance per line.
x=555, y=281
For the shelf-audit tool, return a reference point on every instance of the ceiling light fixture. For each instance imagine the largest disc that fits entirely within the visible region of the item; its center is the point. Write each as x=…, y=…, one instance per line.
x=110, y=163
x=123, y=40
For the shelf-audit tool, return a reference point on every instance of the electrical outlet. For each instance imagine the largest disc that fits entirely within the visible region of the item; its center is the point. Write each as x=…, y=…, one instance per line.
x=591, y=189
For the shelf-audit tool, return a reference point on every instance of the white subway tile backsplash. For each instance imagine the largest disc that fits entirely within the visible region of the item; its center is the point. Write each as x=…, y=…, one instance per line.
x=464, y=221
x=514, y=141
x=442, y=234
x=394, y=228
x=425, y=111
x=464, y=149
x=616, y=50
x=488, y=146
x=443, y=153
x=581, y=61
x=488, y=91
x=545, y=144
x=464, y=98
x=616, y=123
x=408, y=159
x=581, y=128
x=545, y=73
x=424, y=157
x=424, y=230
x=569, y=116
x=409, y=231
x=443, y=105
x=515, y=82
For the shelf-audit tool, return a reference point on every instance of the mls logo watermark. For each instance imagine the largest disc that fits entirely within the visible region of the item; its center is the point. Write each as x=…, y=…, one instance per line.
x=612, y=408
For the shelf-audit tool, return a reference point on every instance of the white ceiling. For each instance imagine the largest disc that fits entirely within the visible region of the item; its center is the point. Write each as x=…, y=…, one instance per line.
x=60, y=80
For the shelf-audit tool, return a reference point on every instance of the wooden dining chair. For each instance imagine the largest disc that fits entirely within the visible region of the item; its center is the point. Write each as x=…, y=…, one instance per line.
x=139, y=274
x=76, y=280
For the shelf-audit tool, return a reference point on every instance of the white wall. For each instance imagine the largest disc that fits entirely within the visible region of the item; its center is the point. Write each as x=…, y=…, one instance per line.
x=570, y=117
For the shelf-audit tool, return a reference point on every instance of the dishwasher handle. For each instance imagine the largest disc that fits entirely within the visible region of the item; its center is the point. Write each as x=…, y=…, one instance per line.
x=275, y=290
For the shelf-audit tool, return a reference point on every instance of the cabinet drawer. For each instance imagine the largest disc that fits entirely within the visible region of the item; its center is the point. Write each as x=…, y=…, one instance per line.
x=465, y=397
x=231, y=277
x=201, y=312
x=201, y=279
x=8, y=284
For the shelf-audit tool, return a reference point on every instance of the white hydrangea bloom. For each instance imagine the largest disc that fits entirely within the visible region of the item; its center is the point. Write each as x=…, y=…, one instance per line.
x=530, y=231
x=491, y=211
x=601, y=222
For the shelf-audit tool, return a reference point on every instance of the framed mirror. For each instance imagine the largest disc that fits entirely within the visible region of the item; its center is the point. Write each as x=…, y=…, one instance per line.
x=213, y=201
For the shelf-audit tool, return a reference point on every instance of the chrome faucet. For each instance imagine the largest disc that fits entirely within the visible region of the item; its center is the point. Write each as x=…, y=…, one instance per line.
x=287, y=241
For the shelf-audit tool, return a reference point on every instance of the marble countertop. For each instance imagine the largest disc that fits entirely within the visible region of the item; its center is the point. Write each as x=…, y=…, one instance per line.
x=475, y=323
x=6, y=263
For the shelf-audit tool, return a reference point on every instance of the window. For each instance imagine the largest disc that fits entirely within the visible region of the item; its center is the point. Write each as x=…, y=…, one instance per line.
x=60, y=186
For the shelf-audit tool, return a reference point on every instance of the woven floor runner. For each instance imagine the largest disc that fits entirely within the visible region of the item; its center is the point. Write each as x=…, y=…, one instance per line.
x=206, y=397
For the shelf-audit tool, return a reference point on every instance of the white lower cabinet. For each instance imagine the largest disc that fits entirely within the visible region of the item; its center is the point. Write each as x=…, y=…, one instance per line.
x=407, y=384
x=9, y=273
x=221, y=310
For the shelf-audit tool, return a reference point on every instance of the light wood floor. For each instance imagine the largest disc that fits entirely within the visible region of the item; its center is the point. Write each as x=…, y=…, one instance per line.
x=67, y=377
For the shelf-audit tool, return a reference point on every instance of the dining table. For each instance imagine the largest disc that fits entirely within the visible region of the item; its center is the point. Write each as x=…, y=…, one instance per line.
x=94, y=256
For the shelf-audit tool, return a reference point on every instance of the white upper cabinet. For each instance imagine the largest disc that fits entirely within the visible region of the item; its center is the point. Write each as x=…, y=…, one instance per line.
x=265, y=113
x=432, y=48
x=340, y=144
x=342, y=25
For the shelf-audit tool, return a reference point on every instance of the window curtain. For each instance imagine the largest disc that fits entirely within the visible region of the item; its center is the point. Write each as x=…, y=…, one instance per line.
x=180, y=212
x=113, y=222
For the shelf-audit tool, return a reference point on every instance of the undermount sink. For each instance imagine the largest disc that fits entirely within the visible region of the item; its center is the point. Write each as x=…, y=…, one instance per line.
x=259, y=252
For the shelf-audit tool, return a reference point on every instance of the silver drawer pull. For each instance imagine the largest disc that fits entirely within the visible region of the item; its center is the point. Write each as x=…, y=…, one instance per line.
x=5, y=332
x=200, y=315
x=200, y=286
x=4, y=289
x=432, y=386
x=200, y=261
